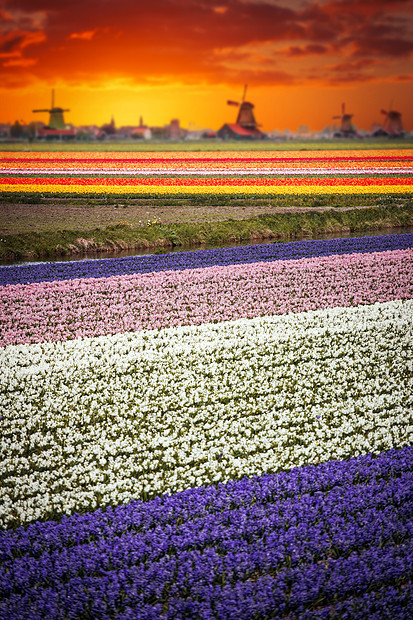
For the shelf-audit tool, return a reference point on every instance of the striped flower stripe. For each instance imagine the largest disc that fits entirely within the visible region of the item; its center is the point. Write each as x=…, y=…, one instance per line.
x=351, y=156
x=69, y=309
x=143, y=413
x=214, y=171
x=202, y=183
x=207, y=435
x=248, y=172
x=211, y=189
x=178, y=261
x=317, y=542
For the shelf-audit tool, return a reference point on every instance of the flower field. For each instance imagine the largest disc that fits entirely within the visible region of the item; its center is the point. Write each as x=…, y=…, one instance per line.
x=218, y=434
x=220, y=173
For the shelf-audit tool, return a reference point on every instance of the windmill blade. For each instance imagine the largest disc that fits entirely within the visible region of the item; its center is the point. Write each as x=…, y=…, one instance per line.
x=244, y=93
x=336, y=118
x=229, y=102
x=41, y=110
x=384, y=112
x=343, y=109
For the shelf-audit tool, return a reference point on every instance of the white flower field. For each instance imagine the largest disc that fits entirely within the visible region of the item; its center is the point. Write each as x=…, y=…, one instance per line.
x=99, y=421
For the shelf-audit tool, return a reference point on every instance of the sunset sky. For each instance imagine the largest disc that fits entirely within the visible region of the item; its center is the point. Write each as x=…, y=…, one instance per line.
x=164, y=59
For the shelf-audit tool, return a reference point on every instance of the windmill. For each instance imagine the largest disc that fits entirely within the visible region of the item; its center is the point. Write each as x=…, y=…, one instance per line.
x=56, y=119
x=245, y=116
x=245, y=127
x=346, y=128
x=393, y=122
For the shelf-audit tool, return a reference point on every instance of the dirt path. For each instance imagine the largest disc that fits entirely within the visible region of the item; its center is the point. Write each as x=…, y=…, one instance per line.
x=26, y=218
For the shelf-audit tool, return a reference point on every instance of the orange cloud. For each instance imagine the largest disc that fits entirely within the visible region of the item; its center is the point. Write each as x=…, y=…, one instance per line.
x=12, y=46
x=220, y=9
x=12, y=18
x=305, y=50
x=20, y=62
x=86, y=35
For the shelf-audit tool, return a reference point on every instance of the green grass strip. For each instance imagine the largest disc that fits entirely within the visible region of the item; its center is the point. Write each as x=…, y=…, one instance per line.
x=163, y=236
x=211, y=145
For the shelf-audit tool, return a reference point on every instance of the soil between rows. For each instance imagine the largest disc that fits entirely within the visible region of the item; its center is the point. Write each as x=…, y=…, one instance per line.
x=51, y=217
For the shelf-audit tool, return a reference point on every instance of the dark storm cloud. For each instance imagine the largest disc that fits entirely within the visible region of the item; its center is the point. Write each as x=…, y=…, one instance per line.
x=11, y=45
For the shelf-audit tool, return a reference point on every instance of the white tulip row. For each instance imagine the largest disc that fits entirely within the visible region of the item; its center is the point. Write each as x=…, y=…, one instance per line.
x=98, y=421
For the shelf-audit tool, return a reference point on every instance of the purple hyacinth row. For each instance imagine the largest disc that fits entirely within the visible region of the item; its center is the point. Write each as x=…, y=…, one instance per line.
x=47, y=272
x=337, y=536
x=390, y=602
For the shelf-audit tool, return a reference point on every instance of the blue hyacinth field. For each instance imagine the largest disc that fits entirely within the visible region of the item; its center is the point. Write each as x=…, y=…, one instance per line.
x=215, y=434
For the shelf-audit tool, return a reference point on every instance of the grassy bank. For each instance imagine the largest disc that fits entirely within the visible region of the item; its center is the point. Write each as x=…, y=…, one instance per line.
x=163, y=236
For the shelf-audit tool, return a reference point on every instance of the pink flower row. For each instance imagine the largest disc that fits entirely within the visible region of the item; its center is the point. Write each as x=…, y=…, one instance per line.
x=65, y=310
